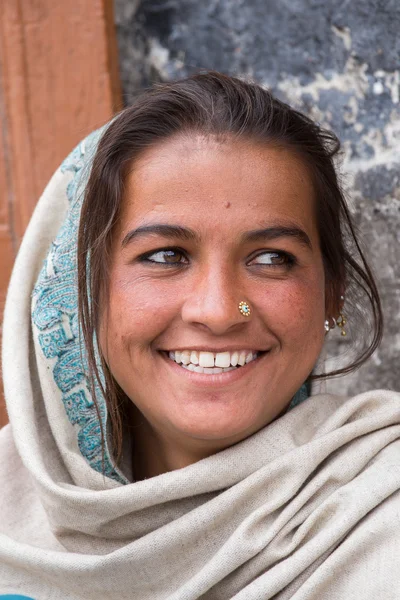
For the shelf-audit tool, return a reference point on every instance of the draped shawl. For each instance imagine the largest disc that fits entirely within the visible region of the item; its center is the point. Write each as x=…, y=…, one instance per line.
x=307, y=508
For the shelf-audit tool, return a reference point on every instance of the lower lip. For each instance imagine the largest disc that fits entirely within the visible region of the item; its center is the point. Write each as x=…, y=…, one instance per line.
x=219, y=379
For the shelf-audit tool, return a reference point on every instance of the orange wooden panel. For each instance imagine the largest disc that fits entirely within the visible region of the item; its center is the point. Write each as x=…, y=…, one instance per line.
x=59, y=80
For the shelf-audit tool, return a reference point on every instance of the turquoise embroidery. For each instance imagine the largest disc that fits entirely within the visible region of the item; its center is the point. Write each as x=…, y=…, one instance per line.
x=303, y=393
x=55, y=315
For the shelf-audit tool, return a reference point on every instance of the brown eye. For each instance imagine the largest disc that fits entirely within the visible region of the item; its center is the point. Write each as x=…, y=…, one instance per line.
x=273, y=258
x=166, y=257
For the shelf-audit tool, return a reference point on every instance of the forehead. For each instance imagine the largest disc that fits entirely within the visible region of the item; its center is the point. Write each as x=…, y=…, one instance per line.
x=207, y=182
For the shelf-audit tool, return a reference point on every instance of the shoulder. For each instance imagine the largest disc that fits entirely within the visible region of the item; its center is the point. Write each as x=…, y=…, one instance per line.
x=366, y=562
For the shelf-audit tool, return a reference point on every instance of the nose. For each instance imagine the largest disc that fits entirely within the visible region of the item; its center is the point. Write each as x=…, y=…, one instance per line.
x=213, y=303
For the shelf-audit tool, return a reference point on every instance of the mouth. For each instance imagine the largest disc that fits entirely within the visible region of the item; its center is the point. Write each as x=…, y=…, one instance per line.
x=213, y=363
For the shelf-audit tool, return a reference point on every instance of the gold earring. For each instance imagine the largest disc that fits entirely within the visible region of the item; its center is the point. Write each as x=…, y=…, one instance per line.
x=245, y=309
x=341, y=322
x=329, y=324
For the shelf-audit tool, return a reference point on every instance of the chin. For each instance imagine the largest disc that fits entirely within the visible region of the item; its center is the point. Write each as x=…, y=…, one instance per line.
x=218, y=427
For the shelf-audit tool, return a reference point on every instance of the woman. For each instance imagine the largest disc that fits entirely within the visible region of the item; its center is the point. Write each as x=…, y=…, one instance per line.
x=156, y=450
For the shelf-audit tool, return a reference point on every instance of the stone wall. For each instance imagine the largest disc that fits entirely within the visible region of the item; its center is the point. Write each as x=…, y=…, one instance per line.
x=337, y=61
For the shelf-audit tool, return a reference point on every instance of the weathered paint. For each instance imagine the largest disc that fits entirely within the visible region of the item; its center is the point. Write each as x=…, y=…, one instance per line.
x=58, y=81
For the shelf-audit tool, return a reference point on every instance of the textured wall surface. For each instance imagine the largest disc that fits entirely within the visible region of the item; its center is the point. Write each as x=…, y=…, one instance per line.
x=336, y=61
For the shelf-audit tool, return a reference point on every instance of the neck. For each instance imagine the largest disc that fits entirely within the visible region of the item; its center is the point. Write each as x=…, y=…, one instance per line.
x=155, y=454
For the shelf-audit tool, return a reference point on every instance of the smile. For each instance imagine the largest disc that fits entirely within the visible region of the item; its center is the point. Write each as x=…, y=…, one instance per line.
x=212, y=363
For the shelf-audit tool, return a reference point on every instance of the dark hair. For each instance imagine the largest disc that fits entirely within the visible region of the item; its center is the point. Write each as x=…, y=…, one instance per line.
x=212, y=103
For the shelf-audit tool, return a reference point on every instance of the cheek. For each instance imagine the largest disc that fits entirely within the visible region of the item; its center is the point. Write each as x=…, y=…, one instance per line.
x=296, y=312
x=137, y=314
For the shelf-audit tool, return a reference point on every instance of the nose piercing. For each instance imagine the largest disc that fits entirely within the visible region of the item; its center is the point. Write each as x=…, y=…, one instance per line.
x=245, y=309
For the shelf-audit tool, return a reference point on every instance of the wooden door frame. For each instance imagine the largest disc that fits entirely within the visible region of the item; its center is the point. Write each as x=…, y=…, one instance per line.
x=59, y=80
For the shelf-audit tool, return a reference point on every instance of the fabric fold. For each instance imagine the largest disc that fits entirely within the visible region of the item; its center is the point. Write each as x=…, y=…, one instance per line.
x=306, y=508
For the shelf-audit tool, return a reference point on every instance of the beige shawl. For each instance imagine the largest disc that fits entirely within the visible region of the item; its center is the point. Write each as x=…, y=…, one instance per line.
x=307, y=508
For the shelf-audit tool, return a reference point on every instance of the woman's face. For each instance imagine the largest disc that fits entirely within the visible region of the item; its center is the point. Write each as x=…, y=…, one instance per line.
x=205, y=225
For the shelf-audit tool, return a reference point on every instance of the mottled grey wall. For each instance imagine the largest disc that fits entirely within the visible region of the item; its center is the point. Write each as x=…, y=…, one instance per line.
x=339, y=62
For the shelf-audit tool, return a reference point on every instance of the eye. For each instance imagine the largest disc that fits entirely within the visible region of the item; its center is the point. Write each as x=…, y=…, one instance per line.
x=273, y=259
x=165, y=256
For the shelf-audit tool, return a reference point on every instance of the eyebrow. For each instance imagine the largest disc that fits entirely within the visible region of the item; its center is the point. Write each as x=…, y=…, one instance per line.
x=167, y=231
x=273, y=233
x=186, y=234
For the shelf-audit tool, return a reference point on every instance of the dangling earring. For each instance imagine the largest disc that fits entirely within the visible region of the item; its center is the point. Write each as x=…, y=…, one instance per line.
x=341, y=320
x=327, y=326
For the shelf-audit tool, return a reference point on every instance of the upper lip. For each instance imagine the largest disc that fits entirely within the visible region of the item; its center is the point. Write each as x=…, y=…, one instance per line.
x=201, y=348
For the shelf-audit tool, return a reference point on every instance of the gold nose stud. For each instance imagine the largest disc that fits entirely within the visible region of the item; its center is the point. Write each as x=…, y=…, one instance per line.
x=245, y=309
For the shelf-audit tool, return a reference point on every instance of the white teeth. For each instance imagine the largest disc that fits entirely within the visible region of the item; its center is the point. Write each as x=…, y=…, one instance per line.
x=185, y=357
x=206, y=359
x=249, y=357
x=223, y=359
x=210, y=362
x=242, y=358
x=207, y=370
x=194, y=358
x=234, y=358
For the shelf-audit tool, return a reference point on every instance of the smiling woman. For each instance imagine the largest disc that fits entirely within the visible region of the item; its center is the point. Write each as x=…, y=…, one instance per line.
x=203, y=192
x=179, y=265
x=197, y=251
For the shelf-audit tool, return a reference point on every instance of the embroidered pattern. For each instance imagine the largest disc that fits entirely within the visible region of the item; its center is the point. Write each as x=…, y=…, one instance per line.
x=55, y=315
x=303, y=393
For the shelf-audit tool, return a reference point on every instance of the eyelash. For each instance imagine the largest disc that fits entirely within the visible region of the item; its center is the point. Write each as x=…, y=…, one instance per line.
x=146, y=257
x=289, y=260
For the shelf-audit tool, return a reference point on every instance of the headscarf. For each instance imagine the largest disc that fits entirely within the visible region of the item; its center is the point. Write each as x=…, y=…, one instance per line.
x=284, y=513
